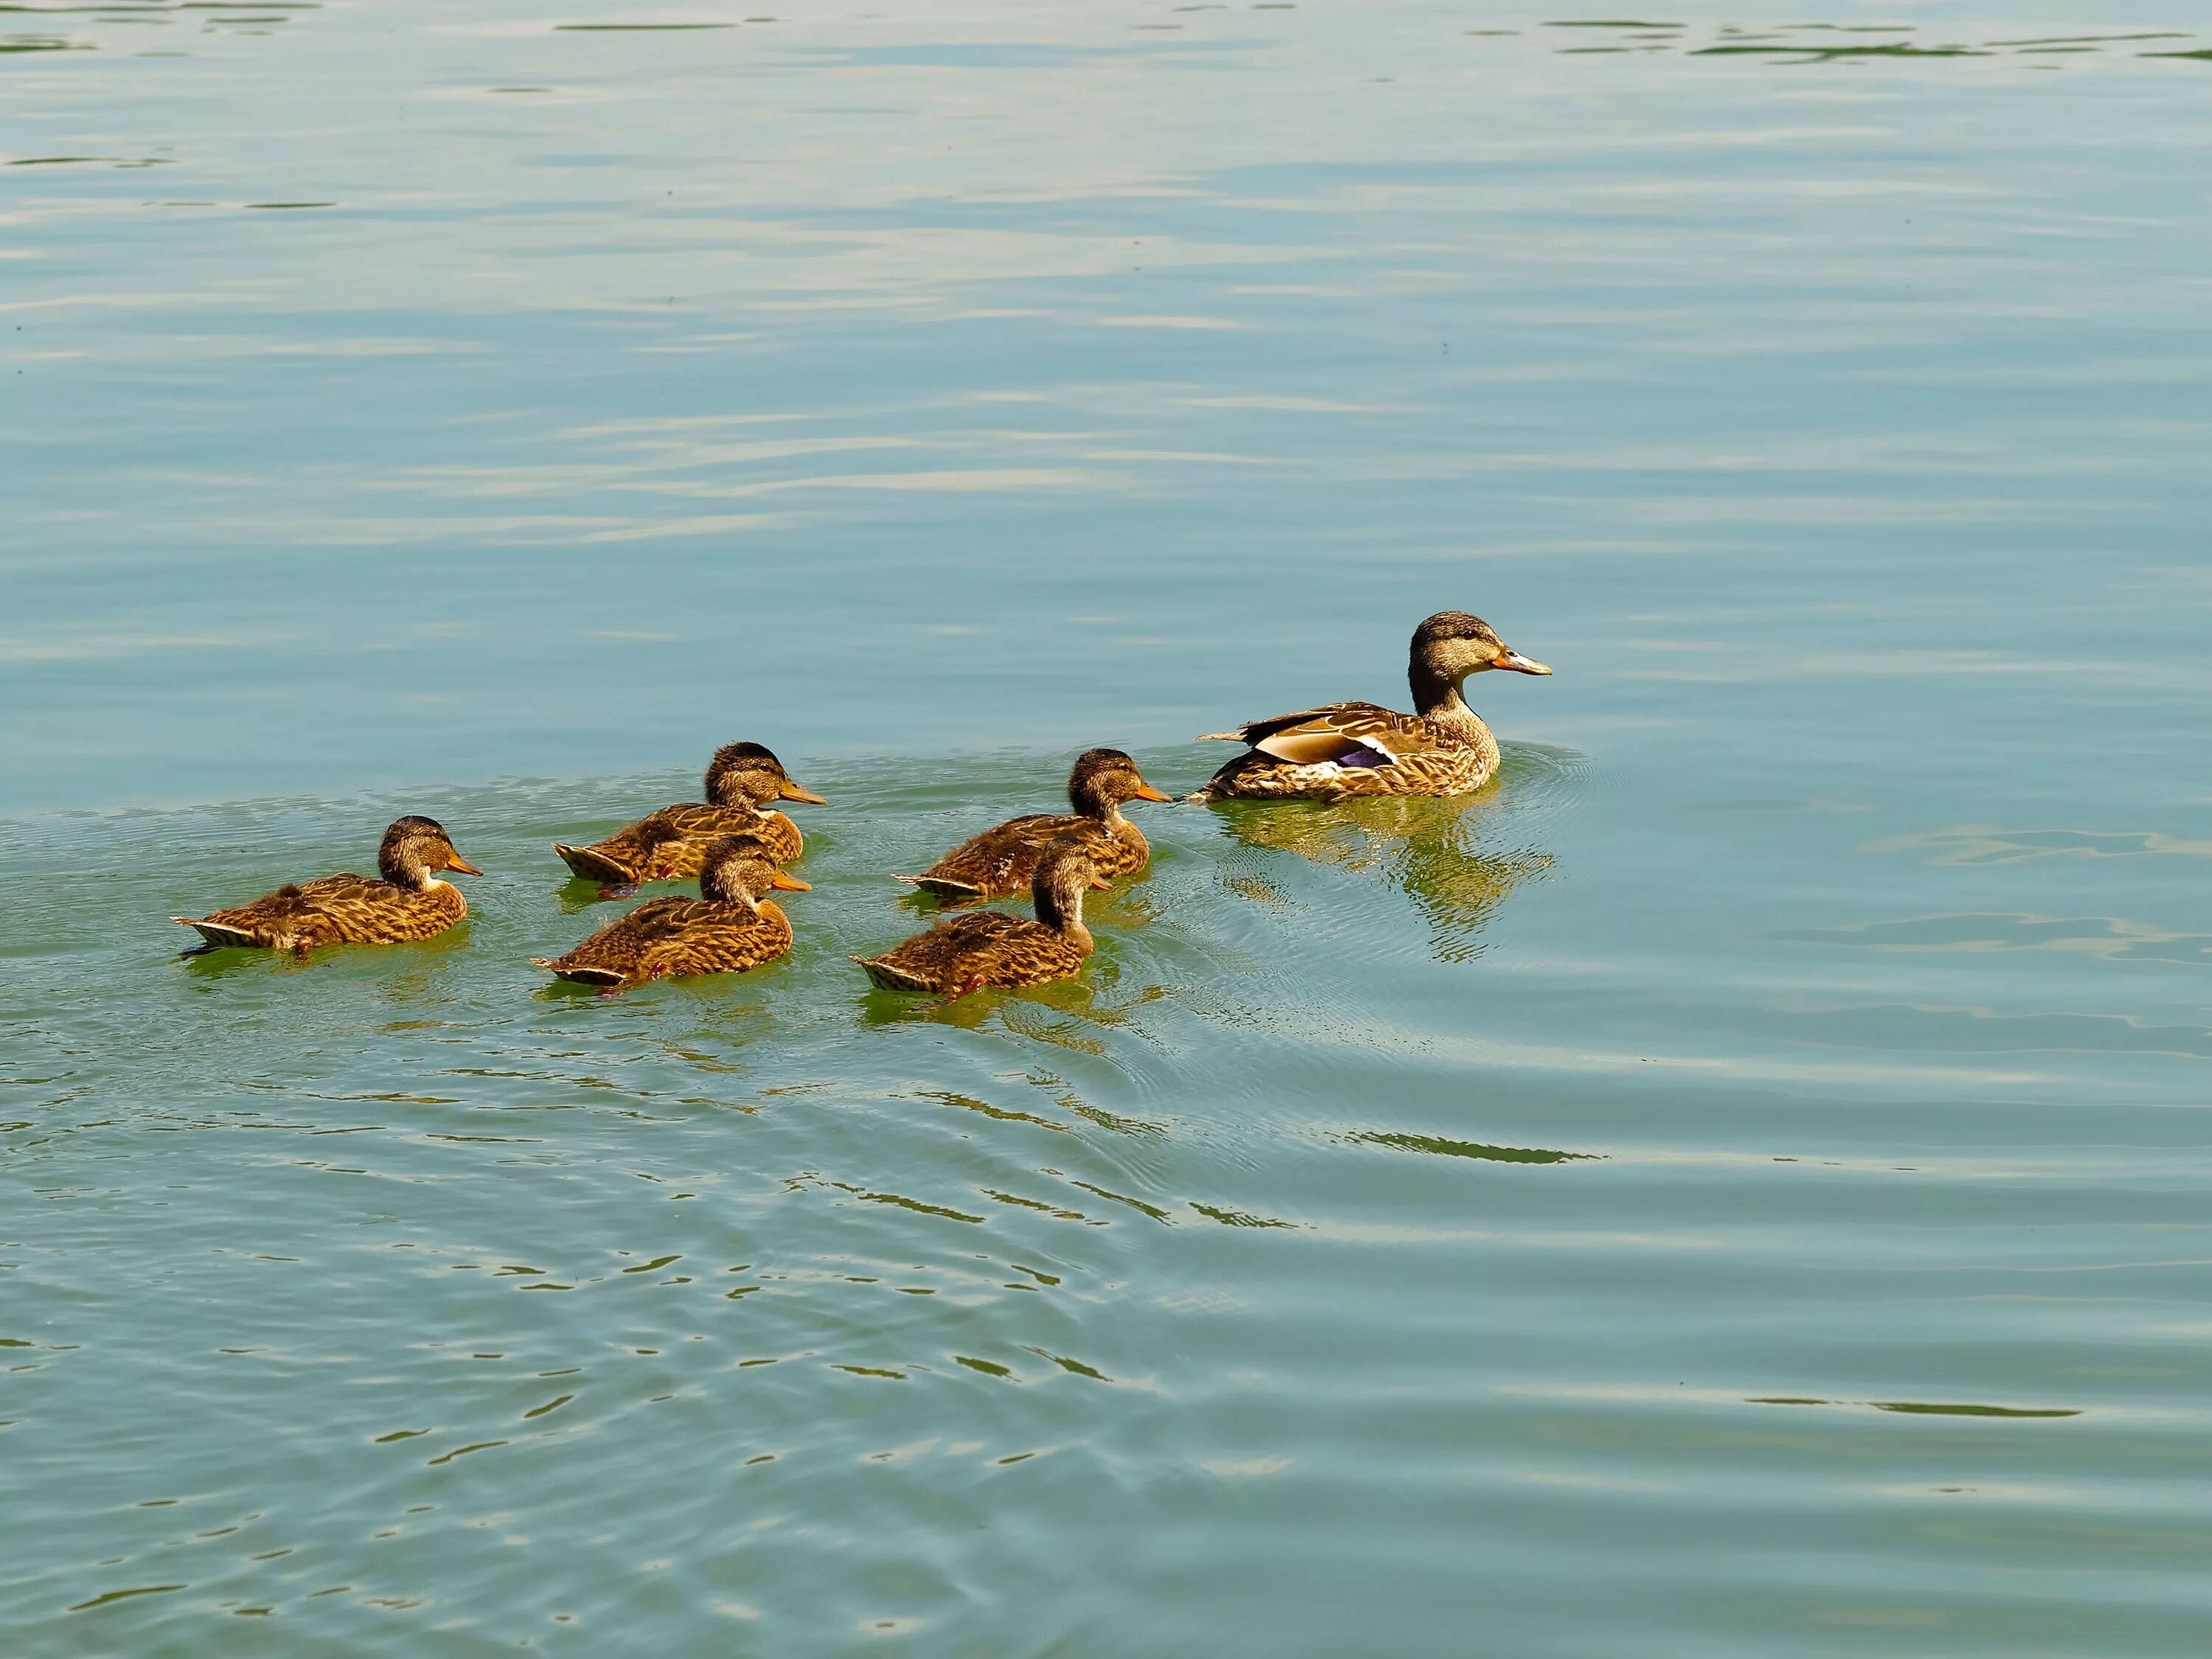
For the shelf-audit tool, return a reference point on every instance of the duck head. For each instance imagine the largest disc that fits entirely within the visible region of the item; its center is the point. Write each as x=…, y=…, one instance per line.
x=1452, y=645
x=738, y=870
x=1102, y=780
x=416, y=850
x=747, y=775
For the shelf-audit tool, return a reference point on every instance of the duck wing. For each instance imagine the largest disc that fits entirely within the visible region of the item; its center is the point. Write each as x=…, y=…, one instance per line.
x=676, y=837
x=290, y=916
x=727, y=941
x=667, y=843
x=999, y=860
x=928, y=962
x=1349, y=734
x=617, y=951
x=612, y=862
x=356, y=910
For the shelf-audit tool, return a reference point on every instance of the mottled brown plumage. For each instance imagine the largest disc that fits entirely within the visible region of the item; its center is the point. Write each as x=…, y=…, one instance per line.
x=728, y=928
x=1000, y=862
x=409, y=903
x=966, y=952
x=669, y=844
x=1344, y=749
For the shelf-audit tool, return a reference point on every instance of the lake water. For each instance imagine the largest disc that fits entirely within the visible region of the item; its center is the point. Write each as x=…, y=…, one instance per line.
x=1730, y=1190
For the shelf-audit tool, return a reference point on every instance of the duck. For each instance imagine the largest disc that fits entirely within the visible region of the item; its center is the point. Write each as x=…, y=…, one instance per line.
x=407, y=902
x=1343, y=749
x=1000, y=862
x=966, y=952
x=669, y=844
x=728, y=928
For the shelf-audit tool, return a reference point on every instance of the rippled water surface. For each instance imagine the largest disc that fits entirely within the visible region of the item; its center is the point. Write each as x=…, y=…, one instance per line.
x=1729, y=1189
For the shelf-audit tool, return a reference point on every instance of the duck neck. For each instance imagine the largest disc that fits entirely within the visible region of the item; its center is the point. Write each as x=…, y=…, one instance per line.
x=404, y=869
x=1091, y=800
x=738, y=795
x=1061, y=910
x=729, y=883
x=1437, y=697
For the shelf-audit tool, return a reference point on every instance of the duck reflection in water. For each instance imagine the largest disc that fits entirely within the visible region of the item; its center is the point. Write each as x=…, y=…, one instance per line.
x=1426, y=846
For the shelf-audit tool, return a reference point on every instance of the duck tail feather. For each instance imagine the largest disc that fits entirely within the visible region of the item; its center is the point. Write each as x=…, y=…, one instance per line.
x=217, y=934
x=582, y=976
x=891, y=978
x=593, y=867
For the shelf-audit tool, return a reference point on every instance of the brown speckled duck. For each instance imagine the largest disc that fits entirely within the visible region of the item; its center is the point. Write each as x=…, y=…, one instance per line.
x=1344, y=749
x=742, y=779
x=1000, y=862
x=728, y=928
x=409, y=903
x=966, y=952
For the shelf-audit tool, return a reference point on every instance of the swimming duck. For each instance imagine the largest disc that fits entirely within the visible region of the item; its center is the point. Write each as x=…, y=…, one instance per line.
x=1344, y=749
x=741, y=779
x=977, y=948
x=728, y=928
x=1000, y=862
x=409, y=903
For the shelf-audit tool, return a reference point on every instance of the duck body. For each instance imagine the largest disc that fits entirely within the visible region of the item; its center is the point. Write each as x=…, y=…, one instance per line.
x=1003, y=859
x=967, y=952
x=677, y=939
x=726, y=930
x=671, y=843
x=979, y=948
x=406, y=902
x=1344, y=748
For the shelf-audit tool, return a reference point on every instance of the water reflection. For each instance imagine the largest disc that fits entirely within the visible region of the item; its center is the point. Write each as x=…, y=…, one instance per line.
x=1073, y=1013
x=1439, y=1147
x=1425, y=847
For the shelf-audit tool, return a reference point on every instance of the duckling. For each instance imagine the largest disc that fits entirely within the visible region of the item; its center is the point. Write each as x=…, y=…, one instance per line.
x=410, y=903
x=1000, y=862
x=1344, y=749
x=966, y=952
x=728, y=928
x=741, y=779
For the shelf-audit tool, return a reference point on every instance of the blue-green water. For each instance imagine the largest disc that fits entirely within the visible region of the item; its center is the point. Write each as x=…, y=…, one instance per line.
x=1731, y=1189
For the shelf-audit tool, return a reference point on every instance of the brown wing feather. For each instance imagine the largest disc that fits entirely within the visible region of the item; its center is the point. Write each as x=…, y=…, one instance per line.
x=345, y=909
x=1000, y=862
x=682, y=835
x=673, y=842
x=723, y=944
x=676, y=937
x=1346, y=731
x=1253, y=731
x=962, y=953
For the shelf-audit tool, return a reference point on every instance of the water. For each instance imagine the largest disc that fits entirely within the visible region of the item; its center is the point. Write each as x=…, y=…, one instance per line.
x=1729, y=1188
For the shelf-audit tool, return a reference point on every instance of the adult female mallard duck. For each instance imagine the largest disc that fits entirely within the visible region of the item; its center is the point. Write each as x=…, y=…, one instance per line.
x=741, y=779
x=1000, y=862
x=1344, y=749
x=977, y=948
x=728, y=928
x=409, y=903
